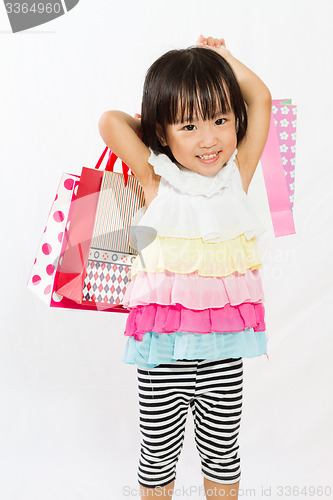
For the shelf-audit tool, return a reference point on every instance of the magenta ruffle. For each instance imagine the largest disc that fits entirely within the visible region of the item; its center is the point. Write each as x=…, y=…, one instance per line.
x=192, y=290
x=168, y=319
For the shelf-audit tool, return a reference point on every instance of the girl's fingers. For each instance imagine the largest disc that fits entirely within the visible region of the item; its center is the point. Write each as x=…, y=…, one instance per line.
x=211, y=42
x=201, y=41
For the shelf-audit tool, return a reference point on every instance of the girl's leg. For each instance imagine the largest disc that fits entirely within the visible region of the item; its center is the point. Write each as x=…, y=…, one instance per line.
x=164, y=395
x=217, y=408
x=217, y=490
x=161, y=492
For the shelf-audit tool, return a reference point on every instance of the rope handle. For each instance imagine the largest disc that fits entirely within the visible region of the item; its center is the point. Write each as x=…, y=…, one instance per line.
x=110, y=164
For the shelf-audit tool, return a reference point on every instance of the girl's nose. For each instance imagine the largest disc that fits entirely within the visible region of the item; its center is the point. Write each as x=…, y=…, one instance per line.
x=207, y=138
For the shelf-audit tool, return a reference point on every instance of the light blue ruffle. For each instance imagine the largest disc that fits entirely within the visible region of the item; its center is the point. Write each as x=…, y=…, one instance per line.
x=158, y=348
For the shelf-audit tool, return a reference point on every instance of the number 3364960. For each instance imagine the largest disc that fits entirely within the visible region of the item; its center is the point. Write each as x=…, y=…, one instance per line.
x=35, y=8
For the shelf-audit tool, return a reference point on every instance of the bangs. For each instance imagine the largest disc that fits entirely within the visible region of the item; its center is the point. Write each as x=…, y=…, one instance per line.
x=192, y=100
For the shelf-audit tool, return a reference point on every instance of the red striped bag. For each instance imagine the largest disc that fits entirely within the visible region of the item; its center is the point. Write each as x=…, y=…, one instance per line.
x=96, y=263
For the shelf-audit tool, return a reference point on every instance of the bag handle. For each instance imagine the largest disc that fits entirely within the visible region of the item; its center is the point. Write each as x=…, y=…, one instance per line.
x=110, y=164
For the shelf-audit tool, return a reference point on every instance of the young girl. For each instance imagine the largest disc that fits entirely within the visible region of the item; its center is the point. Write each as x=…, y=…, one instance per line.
x=195, y=297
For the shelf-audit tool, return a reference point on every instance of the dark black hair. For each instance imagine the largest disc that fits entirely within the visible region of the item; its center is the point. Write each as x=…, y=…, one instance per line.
x=193, y=81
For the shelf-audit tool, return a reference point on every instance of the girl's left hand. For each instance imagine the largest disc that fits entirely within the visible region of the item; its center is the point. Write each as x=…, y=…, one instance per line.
x=217, y=44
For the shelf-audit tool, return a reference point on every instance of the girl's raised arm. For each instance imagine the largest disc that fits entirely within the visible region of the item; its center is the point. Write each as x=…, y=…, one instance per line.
x=259, y=104
x=120, y=132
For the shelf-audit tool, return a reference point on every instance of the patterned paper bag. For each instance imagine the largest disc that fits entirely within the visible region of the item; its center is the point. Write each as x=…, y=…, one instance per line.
x=272, y=188
x=110, y=254
x=43, y=270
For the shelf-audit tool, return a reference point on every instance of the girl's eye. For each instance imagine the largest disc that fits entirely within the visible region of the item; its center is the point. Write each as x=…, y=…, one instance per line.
x=188, y=127
x=219, y=121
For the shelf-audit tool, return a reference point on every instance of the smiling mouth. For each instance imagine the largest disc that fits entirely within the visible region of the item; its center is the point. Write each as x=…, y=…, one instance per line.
x=208, y=157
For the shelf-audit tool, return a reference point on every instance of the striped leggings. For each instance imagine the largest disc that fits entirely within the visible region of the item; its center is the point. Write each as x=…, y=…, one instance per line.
x=213, y=390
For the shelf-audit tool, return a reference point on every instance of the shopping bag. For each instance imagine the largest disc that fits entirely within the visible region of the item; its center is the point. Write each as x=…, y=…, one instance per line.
x=69, y=276
x=94, y=270
x=110, y=258
x=72, y=217
x=272, y=188
x=43, y=270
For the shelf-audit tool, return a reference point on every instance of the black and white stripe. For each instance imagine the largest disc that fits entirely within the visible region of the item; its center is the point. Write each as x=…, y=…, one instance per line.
x=213, y=390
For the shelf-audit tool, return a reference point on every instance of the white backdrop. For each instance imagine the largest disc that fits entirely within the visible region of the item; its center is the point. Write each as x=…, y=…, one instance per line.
x=69, y=409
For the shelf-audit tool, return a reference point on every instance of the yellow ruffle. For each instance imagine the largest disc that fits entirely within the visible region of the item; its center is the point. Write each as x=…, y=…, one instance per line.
x=184, y=255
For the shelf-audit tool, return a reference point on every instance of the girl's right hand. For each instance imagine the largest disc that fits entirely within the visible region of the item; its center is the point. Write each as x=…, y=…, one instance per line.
x=217, y=44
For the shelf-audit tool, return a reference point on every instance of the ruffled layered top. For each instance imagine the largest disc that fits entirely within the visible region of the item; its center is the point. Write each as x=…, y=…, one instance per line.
x=195, y=289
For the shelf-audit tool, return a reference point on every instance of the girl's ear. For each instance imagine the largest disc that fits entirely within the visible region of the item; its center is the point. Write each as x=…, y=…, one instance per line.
x=160, y=134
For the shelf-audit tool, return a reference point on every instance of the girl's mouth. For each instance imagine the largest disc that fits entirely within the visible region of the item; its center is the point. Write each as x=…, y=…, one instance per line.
x=209, y=158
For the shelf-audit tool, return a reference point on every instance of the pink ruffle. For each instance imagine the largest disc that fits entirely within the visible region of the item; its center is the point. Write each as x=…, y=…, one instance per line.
x=167, y=319
x=193, y=291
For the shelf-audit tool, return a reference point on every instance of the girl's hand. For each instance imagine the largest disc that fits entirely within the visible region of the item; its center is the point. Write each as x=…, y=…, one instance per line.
x=217, y=44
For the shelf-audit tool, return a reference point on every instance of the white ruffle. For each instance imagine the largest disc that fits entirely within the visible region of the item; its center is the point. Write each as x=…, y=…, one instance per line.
x=190, y=182
x=223, y=216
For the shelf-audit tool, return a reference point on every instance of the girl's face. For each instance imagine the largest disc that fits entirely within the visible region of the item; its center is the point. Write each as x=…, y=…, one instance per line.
x=203, y=146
